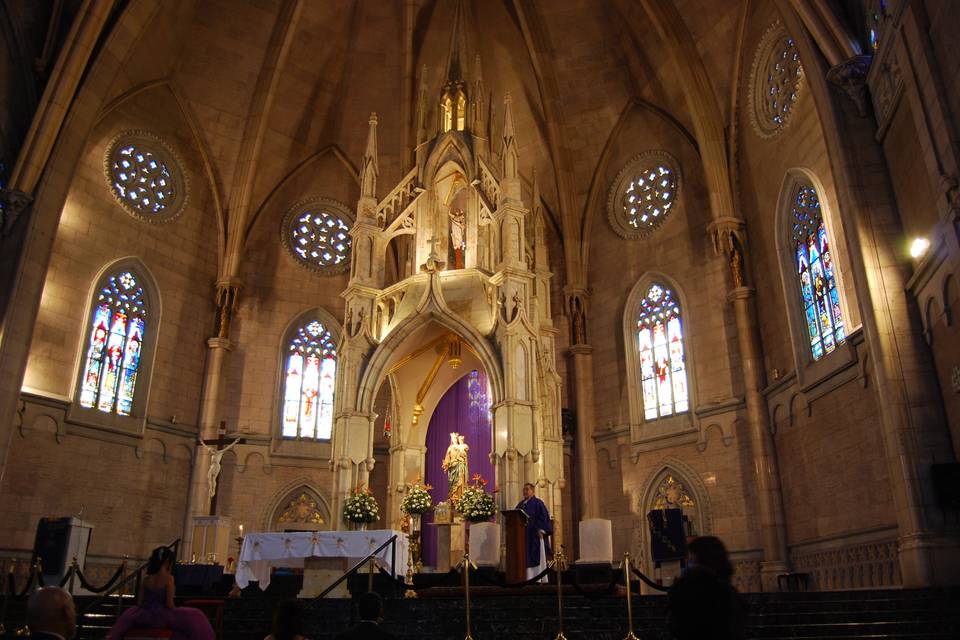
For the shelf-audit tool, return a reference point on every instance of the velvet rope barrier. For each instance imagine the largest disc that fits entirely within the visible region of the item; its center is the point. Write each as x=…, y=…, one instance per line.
x=650, y=583
x=89, y=587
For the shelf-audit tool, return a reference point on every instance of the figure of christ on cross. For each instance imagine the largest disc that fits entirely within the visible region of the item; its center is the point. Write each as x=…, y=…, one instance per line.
x=216, y=455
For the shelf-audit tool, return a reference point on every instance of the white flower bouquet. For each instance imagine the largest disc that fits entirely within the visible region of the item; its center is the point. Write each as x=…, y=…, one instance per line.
x=476, y=505
x=417, y=501
x=361, y=507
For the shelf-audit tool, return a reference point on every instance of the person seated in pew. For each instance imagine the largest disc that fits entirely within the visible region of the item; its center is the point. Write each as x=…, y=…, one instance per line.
x=370, y=607
x=155, y=608
x=287, y=622
x=51, y=614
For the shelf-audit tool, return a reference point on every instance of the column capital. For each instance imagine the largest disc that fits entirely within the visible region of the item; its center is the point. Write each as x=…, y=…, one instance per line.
x=220, y=343
x=741, y=293
x=13, y=204
x=725, y=231
x=580, y=350
x=851, y=76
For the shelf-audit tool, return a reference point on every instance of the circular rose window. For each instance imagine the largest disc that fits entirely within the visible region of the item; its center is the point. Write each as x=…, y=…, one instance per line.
x=317, y=233
x=644, y=194
x=775, y=81
x=145, y=176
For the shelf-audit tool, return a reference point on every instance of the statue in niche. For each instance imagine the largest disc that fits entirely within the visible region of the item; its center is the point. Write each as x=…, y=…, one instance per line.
x=455, y=464
x=736, y=266
x=458, y=237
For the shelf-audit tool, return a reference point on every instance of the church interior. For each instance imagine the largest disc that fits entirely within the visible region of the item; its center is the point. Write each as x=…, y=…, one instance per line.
x=696, y=257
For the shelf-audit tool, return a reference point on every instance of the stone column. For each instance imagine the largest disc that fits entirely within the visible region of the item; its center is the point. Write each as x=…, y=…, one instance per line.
x=211, y=404
x=581, y=359
x=729, y=241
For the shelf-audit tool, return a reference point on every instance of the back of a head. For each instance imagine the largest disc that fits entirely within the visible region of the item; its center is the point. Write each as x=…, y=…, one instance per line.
x=51, y=609
x=159, y=557
x=711, y=554
x=370, y=606
x=287, y=620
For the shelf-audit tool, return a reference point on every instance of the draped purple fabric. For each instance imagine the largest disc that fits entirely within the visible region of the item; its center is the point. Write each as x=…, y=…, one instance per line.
x=464, y=408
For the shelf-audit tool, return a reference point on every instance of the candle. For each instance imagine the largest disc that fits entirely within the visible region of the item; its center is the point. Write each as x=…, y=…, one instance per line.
x=241, y=530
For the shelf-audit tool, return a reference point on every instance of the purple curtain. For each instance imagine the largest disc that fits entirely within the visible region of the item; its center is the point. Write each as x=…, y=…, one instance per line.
x=465, y=409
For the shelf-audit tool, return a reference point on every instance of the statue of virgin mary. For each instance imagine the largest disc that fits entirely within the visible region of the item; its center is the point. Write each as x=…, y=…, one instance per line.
x=455, y=464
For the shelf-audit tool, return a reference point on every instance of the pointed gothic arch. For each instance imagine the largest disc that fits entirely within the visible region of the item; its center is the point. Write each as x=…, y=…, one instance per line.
x=298, y=505
x=648, y=424
x=114, y=361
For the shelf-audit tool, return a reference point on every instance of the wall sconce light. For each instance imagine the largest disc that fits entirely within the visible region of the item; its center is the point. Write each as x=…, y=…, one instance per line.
x=919, y=247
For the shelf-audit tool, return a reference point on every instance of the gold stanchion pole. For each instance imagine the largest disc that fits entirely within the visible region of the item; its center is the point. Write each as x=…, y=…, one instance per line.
x=626, y=578
x=466, y=565
x=370, y=566
x=559, y=565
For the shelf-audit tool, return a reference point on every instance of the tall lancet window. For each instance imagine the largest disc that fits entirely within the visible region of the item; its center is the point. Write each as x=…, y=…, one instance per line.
x=663, y=371
x=309, y=376
x=117, y=326
x=461, y=111
x=815, y=271
x=447, y=113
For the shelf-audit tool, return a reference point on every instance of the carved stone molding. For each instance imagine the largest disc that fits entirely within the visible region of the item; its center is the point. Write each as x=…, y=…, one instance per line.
x=13, y=204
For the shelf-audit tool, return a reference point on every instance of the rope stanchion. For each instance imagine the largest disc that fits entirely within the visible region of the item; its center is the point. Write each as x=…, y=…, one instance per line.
x=650, y=583
x=106, y=587
x=513, y=585
x=626, y=578
x=559, y=565
x=35, y=572
x=466, y=565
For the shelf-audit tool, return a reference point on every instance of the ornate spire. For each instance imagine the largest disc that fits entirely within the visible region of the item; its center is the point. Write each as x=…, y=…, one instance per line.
x=369, y=170
x=477, y=101
x=509, y=157
x=422, y=107
x=457, y=55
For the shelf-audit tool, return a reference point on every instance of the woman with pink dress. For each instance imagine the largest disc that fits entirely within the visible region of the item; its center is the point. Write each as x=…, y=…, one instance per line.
x=155, y=608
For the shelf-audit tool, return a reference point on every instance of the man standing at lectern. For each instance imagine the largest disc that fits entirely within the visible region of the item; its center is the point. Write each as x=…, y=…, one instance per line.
x=539, y=530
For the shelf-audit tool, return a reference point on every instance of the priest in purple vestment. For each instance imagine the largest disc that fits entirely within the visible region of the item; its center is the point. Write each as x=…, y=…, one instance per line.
x=539, y=530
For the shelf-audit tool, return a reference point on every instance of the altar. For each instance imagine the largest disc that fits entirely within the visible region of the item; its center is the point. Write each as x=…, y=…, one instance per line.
x=263, y=551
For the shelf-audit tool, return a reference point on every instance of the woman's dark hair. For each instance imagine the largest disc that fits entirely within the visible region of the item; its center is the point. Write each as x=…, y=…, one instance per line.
x=287, y=620
x=710, y=553
x=160, y=557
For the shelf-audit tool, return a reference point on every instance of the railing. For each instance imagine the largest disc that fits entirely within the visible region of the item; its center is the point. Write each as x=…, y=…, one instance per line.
x=136, y=576
x=371, y=558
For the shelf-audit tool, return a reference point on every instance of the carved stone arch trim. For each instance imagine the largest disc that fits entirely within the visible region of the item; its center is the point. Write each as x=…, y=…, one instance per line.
x=808, y=370
x=282, y=498
x=136, y=422
x=336, y=331
x=691, y=481
x=450, y=148
x=429, y=310
x=642, y=430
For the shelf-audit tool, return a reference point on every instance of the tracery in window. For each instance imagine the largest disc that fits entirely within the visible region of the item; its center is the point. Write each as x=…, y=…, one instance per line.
x=145, y=176
x=815, y=272
x=663, y=372
x=310, y=373
x=775, y=82
x=461, y=111
x=117, y=327
x=317, y=233
x=643, y=195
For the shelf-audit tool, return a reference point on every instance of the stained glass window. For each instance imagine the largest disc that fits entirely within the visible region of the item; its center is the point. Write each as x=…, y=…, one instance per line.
x=145, y=177
x=776, y=80
x=663, y=370
x=310, y=373
x=644, y=194
x=815, y=270
x=317, y=233
x=117, y=328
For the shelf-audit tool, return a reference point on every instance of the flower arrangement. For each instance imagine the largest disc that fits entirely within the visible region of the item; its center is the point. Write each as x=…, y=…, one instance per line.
x=476, y=505
x=361, y=507
x=417, y=501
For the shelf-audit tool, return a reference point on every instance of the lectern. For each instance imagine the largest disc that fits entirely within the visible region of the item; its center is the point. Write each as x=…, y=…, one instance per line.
x=515, y=532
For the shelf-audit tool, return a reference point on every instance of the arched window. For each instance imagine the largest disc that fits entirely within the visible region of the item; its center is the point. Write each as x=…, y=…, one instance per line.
x=815, y=271
x=663, y=371
x=310, y=369
x=461, y=111
x=118, y=325
x=447, y=115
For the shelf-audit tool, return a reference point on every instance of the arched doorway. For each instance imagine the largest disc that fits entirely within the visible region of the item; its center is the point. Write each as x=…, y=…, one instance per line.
x=463, y=409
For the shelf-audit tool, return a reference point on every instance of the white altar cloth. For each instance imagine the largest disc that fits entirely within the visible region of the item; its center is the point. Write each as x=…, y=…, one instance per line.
x=262, y=551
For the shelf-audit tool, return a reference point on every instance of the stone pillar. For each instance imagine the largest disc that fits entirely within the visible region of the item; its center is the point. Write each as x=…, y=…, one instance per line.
x=211, y=404
x=729, y=241
x=585, y=465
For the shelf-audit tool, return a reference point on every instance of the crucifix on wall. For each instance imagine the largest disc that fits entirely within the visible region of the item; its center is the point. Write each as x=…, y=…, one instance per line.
x=217, y=450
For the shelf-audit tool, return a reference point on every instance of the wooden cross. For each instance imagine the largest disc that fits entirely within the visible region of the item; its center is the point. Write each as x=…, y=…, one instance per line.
x=221, y=442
